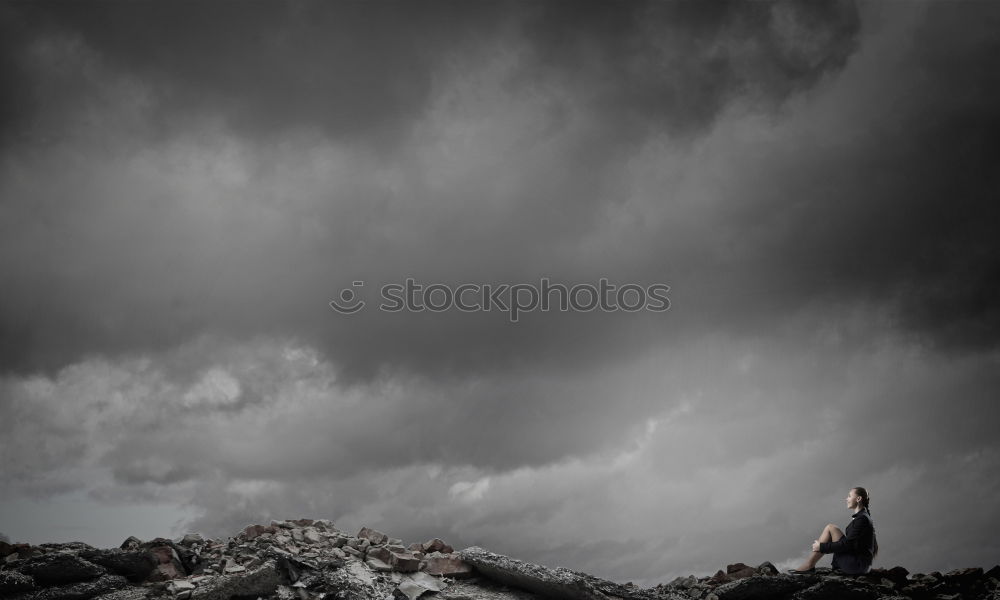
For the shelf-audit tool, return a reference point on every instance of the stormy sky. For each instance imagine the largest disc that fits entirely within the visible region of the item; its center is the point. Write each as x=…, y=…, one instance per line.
x=185, y=187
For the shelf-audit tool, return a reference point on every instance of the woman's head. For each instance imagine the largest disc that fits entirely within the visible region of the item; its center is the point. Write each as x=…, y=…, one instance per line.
x=860, y=495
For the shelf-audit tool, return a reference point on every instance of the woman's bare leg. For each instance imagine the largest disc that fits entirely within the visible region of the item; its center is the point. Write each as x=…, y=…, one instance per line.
x=831, y=533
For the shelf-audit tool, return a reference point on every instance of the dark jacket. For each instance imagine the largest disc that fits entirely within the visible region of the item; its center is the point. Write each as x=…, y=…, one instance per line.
x=859, y=538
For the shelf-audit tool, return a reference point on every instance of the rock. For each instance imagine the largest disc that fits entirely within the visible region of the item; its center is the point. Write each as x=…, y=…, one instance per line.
x=86, y=590
x=764, y=586
x=837, y=589
x=5, y=549
x=437, y=545
x=311, y=535
x=378, y=565
x=355, y=582
x=64, y=547
x=253, y=531
x=413, y=586
x=14, y=582
x=372, y=535
x=558, y=583
x=897, y=575
x=168, y=564
x=337, y=552
x=766, y=568
x=135, y=566
x=733, y=568
x=191, y=539
x=262, y=581
x=720, y=577
x=60, y=569
x=127, y=593
x=130, y=543
x=483, y=589
x=379, y=553
x=180, y=585
x=447, y=566
x=994, y=572
x=404, y=563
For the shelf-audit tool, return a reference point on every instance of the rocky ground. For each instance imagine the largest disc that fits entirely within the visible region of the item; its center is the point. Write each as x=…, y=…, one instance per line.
x=313, y=560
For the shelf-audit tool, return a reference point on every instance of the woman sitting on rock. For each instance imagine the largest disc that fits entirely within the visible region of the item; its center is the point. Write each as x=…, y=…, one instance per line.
x=854, y=549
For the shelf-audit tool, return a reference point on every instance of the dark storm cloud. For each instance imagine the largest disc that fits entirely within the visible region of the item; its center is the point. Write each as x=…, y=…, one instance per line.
x=124, y=93
x=346, y=69
x=362, y=69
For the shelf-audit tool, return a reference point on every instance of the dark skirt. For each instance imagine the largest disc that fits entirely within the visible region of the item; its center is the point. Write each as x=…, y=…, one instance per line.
x=850, y=563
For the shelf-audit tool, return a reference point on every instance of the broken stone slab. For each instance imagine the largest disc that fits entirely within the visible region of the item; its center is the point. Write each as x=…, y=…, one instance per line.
x=557, y=583
x=416, y=584
x=378, y=565
x=447, y=566
x=404, y=563
x=482, y=589
x=379, y=553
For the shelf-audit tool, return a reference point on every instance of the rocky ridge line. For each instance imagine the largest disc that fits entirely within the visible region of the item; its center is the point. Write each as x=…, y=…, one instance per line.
x=305, y=559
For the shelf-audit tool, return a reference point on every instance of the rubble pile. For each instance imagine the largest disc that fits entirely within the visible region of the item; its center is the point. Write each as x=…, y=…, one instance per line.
x=305, y=559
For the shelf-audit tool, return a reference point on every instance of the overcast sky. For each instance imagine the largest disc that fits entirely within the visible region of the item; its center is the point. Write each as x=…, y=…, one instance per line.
x=185, y=187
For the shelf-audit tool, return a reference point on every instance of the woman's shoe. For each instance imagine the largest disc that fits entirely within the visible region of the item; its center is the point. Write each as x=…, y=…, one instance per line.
x=797, y=572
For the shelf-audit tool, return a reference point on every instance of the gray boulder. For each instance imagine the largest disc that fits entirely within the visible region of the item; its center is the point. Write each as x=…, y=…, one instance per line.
x=59, y=569
x=133, y=565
